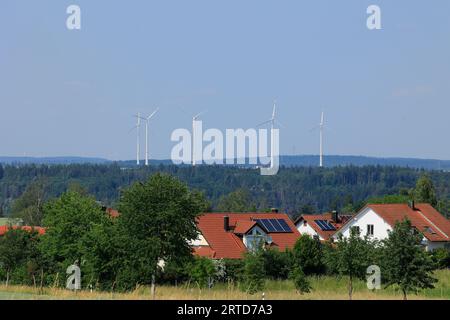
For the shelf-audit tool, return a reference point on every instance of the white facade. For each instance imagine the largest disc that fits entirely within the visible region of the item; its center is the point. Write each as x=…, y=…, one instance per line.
x=304, y=228
x=255, y=237
x=366, y=218
x=380, y=228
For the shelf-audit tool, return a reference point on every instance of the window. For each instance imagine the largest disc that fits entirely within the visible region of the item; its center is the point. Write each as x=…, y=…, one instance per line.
x=370, y=229
x=355, y=229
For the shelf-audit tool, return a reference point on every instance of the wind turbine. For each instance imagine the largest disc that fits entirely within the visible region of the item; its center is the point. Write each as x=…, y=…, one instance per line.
x=272, y=122
x=146, y=133
x=321, y=125
x=194, y=118
x=137, y=127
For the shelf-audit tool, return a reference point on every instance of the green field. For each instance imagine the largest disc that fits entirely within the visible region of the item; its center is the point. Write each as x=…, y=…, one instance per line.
x=3, y=221
x=324, y=287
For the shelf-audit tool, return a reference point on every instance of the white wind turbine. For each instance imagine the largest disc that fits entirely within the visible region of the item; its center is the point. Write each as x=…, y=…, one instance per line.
x=137, y=127
x=321, y=126
x=147, y=120
x=272, y=122
x=194, y=118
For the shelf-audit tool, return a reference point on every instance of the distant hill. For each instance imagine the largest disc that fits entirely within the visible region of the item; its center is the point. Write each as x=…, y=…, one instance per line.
x=52, y=160
x=289, y=161
x=334, y=161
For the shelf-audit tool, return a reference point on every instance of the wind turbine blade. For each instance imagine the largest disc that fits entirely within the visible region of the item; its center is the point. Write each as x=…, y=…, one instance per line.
x=153, y=114
x=265, y=122
x=321, y=118
x=274, y=110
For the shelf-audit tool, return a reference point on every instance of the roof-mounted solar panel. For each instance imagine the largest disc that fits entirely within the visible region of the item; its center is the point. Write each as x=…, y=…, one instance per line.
x=274, y=225
x=325, y=225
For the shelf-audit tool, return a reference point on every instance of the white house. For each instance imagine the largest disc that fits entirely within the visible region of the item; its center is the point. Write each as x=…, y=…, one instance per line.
x=322, y=226
x=376, y=220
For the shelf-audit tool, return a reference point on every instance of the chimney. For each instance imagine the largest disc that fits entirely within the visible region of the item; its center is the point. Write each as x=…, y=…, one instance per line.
x=412, y=205
x=226, y=223
x=335, y=216
x=274, y=210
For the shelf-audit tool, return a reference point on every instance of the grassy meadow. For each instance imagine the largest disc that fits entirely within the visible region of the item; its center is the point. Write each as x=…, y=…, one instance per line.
x=323, y=287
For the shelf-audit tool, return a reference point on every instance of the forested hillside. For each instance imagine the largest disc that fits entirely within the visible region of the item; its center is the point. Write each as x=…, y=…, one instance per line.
x=294, y=189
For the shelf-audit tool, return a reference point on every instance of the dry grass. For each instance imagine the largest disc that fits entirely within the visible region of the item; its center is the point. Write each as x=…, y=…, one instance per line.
x=323, y=288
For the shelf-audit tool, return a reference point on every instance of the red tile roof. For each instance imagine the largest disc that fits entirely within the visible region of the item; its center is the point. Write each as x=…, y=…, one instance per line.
x=4, y=229
x=112, y=212
x=229, y=244
x=310, y=219
x=423, y=217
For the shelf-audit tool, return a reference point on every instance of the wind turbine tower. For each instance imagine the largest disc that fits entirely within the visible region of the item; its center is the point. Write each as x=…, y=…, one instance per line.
x=194, y=140
x=321, y=125
x=147, y=120
x=138, y=146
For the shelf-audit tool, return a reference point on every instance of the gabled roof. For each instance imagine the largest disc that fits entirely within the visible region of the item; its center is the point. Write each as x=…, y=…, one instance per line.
x=434, y=226
x=4, y=229
x=311, y=220
x=229, y=244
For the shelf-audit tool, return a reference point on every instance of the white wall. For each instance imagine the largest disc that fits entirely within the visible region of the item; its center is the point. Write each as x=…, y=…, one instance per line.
x=307, y=229
x=368, y=216
x=200, y=241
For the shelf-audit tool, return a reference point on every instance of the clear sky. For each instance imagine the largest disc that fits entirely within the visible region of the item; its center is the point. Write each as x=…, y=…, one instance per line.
x=384, y=92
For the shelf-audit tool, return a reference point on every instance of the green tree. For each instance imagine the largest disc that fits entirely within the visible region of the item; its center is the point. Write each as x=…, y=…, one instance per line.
x=19, y=254
x=300, y=280
x=29, y=206
x=202, y=270
x=405, y=262
x=2, y=172
x=157, y=220
x=78, y=230
x=236, y=201
x=424, y=191
x=308, y=255
x=351, y=257
x=254, y=275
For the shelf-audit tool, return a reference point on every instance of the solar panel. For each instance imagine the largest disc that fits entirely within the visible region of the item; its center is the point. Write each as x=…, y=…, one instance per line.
x=267, y=225
x=277, y=225
x=284, y=225
x=325, y=225
x=274, y=225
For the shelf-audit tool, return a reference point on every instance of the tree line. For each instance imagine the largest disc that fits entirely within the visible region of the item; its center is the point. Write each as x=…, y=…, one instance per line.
x=292, y=190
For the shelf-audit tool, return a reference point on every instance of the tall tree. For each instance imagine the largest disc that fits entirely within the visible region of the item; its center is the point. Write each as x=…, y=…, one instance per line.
x=29, y=206
x=2, y=171
x=308, y=255
x=424, y=191
x=405, y=262
x=351, y=257
x=157, y=220
x=236, y=201
x=78, y=230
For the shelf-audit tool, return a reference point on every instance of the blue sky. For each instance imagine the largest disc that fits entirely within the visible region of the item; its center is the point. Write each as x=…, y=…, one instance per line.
x=384, y=92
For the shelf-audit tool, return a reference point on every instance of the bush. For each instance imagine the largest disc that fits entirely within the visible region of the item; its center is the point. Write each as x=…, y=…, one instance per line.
x=441, y=258
x=201, y=271
x=308, y=255
x=234, y=269
x=277, y=263
x=254, y=273
x=300, y=281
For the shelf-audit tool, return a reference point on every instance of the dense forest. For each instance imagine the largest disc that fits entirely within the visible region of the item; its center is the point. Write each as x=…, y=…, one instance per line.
x=293, y=189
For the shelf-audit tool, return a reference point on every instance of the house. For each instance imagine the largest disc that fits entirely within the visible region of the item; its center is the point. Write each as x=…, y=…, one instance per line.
x=376, y=220
x=322, y=226
x=230, y=235
x=4, y=229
